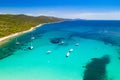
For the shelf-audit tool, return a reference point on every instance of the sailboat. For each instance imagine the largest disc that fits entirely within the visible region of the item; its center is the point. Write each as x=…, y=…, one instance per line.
x=17, y=42
x=31, y=46
x=32, y=37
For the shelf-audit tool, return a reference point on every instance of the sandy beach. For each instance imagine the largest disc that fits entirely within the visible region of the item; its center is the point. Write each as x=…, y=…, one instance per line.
x=19, y=33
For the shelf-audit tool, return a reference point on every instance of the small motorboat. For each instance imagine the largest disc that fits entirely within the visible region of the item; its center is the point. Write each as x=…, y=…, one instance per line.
x=68, y=54
x=62, y=42
x=49, y=51
x=71, y=50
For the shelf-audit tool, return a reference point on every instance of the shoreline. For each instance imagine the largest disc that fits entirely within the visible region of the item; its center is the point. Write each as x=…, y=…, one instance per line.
x=18, y=33
x=4, y=39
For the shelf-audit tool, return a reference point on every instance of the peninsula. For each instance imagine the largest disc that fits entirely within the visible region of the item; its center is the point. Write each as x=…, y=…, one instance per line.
x=13, y=25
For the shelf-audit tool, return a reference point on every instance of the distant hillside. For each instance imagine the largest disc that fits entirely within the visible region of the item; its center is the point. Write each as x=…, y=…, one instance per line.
x=10, y=24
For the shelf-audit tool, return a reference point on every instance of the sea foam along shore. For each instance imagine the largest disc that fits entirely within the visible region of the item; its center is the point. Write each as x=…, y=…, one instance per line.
x=19, y=33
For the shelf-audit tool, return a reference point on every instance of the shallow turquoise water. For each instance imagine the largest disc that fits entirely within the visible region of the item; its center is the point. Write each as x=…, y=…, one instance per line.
x=36, y=64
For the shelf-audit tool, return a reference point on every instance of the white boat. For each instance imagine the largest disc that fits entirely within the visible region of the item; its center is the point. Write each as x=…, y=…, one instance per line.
x=68, y=54
x=62, y=42
x=31, y=47
x=32, y=37
x=71, y=50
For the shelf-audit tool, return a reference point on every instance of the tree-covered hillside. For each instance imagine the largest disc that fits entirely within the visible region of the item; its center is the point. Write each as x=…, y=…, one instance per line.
x=10, y=24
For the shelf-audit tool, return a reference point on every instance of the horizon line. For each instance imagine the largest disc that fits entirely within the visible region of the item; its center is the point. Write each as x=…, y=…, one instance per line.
x=78, y=18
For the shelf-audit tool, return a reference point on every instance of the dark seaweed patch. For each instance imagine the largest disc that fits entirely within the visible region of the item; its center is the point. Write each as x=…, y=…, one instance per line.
x=96, y=69
x=56, y=40
x=96, y=36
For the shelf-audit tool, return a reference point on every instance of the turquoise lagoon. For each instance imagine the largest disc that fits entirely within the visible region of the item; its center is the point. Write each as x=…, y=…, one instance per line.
x=96, y=58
